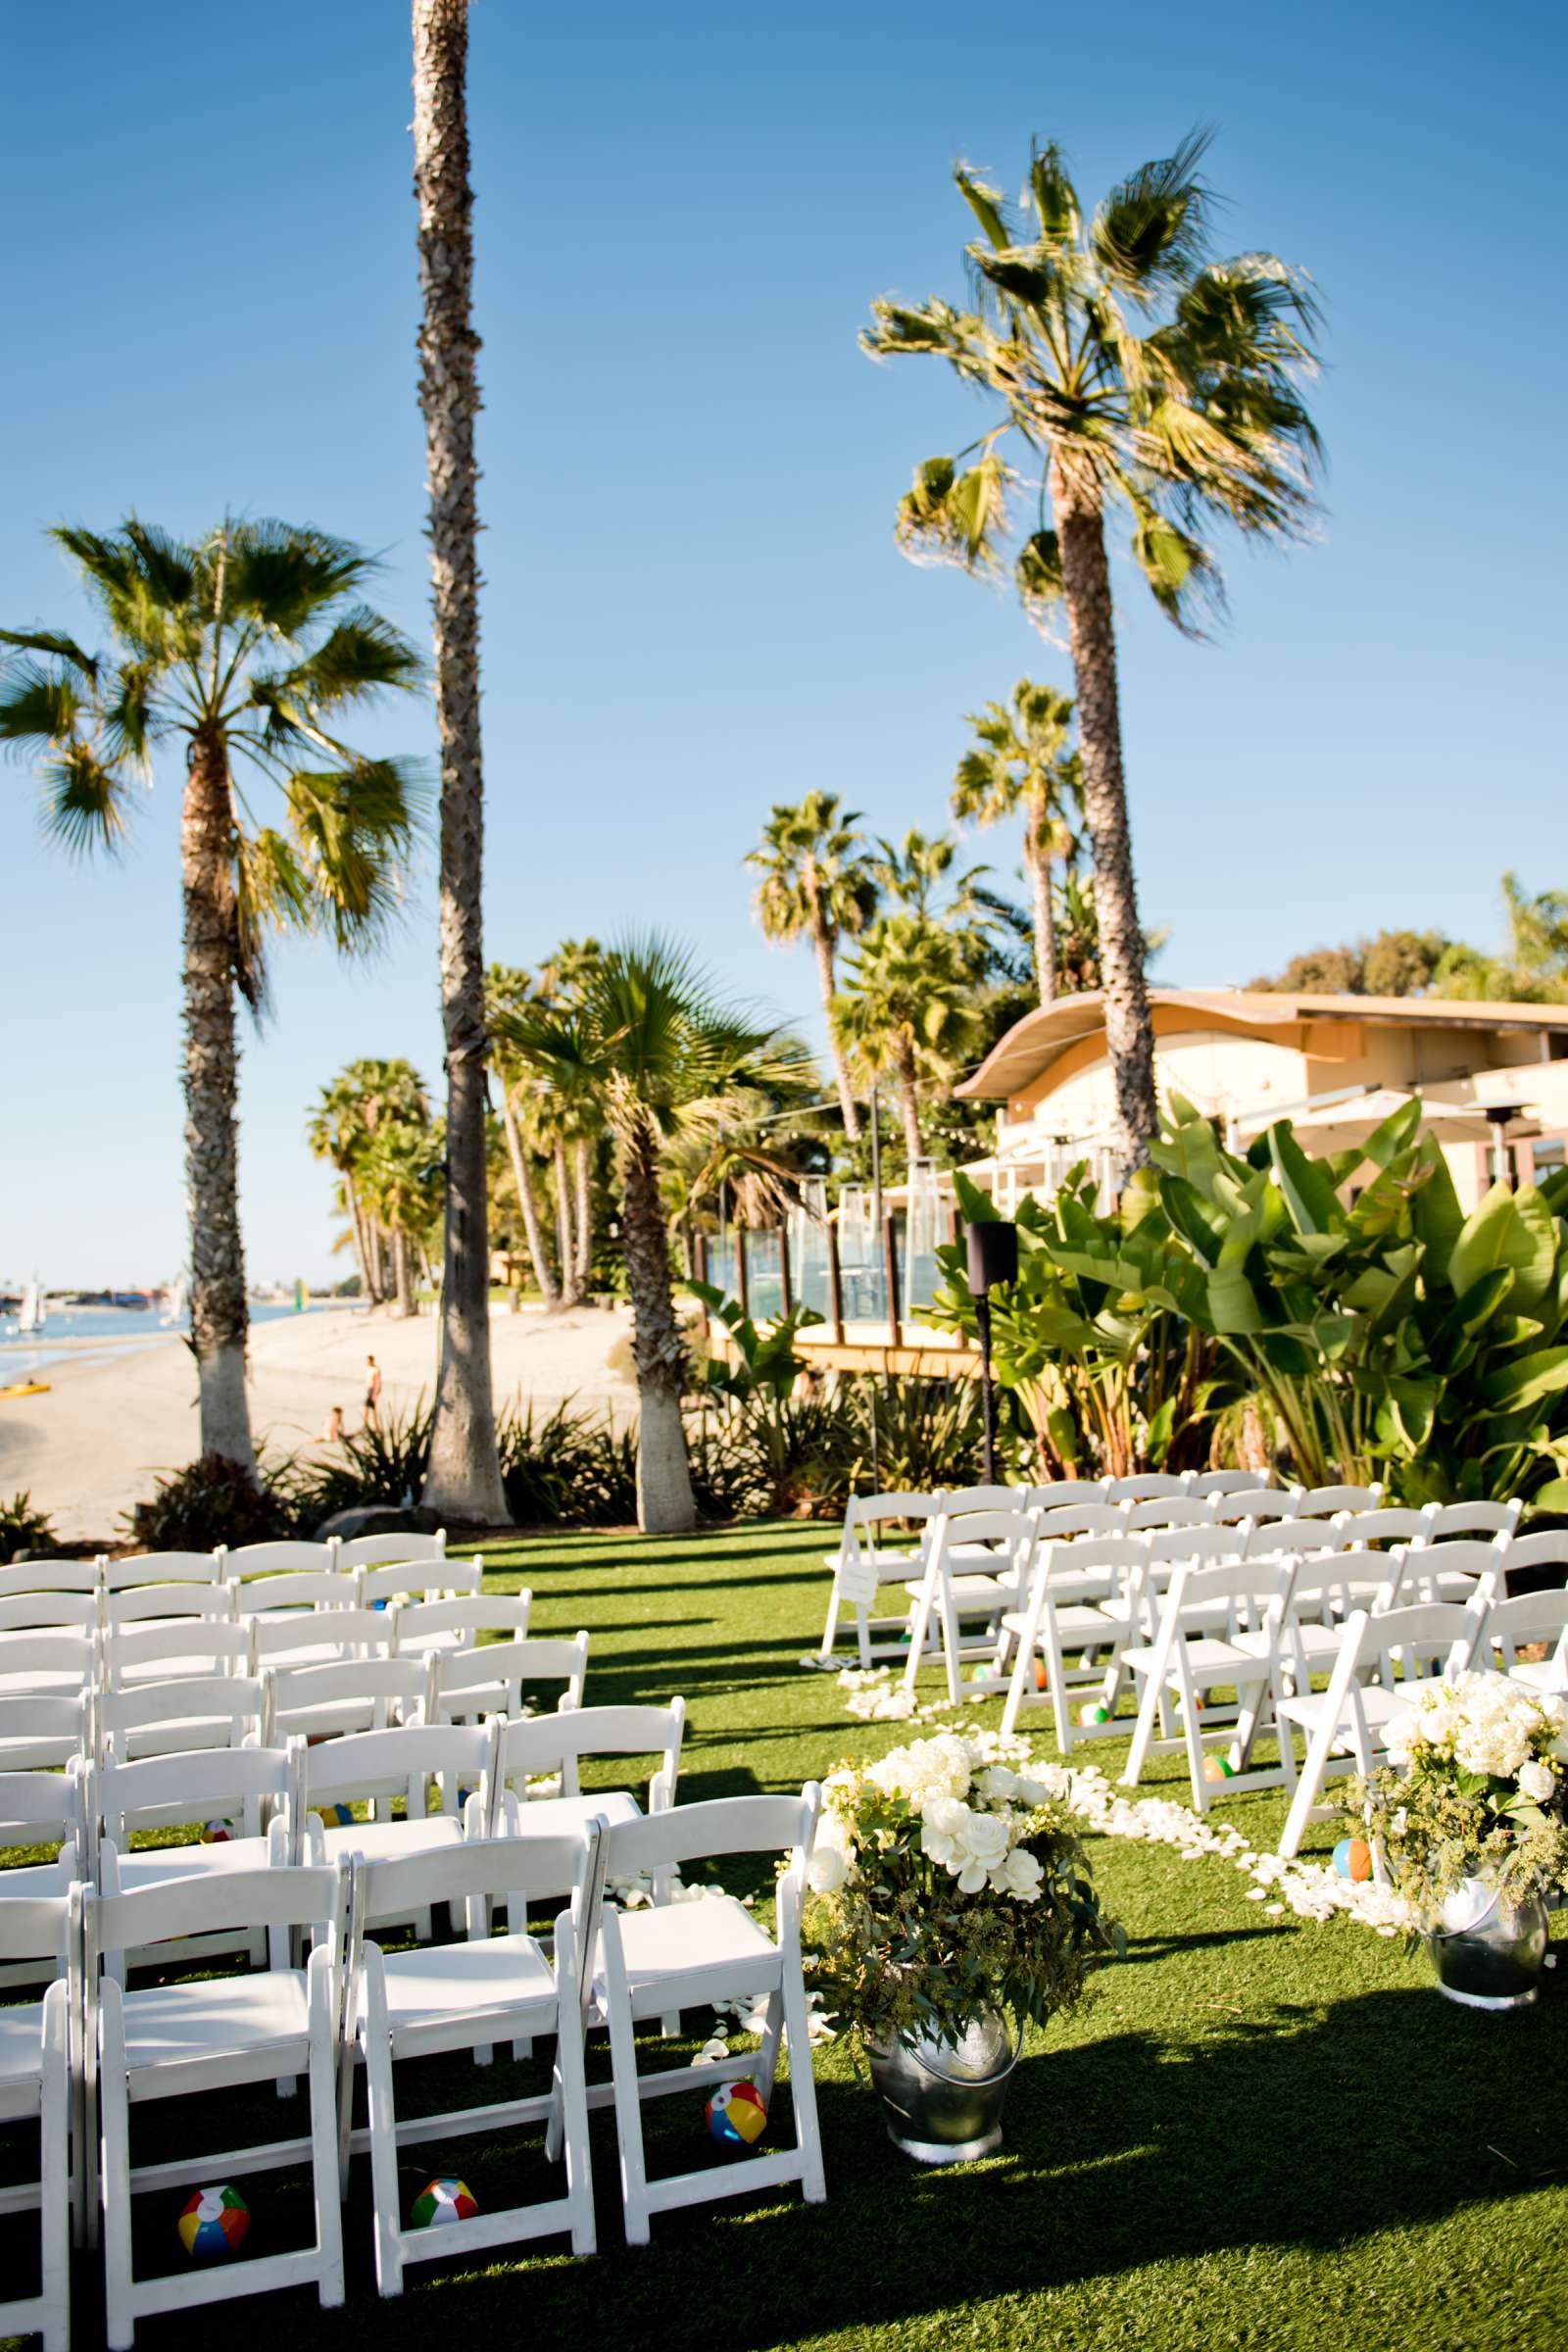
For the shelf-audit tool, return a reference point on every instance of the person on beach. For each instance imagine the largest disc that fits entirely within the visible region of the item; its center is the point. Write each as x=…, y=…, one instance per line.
x=332, y=1434
x=372, y=1389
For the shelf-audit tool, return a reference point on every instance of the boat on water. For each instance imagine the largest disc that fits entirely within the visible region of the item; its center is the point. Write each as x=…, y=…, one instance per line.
x=33, y=1316
x=24, y=1387
x=176, y=1301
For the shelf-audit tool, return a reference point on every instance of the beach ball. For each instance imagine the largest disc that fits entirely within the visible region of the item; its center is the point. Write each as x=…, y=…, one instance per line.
x=213, y=2223
x=335, y=1817
x=1095, y=1711
x=1217, y=1768
x=1353, y=1859
x=216, y=1832
x=442, y=2201
x=737, y=2114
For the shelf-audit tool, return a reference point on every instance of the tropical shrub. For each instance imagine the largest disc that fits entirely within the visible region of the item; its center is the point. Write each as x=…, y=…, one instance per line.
x=210, y=1502
x=384, y=1462
x=23, y=1529
x=568, y=1468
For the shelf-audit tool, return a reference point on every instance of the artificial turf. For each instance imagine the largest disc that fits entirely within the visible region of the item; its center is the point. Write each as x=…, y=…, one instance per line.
x=1259, y=2132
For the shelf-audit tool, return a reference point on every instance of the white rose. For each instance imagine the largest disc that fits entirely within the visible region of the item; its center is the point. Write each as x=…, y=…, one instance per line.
x=1537, y=1781
x=998, y=1784
x=1020, y=1874
x=827, y=1870
x=985, y=1840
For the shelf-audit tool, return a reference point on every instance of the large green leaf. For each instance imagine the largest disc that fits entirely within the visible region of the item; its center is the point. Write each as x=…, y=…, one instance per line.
x=1309, y=1193
x=1516, y=1385
x=1508, y=1229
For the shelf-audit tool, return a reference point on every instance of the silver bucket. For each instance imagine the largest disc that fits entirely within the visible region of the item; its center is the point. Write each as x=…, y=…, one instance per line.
x=1495, y=1959
x=943, y=2100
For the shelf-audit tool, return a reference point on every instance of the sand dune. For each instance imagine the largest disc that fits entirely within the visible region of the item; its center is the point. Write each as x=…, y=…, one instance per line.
x=93, y=1445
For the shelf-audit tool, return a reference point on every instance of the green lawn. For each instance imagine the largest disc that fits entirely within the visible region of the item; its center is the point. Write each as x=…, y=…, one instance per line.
x=1258, y=2132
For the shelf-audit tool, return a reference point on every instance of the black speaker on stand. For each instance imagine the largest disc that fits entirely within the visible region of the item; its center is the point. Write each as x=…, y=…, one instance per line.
x=993, y=1255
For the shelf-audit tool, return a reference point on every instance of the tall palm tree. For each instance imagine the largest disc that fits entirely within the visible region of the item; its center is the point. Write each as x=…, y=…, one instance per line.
x=816, y=884
x=510, y=991
x=1021, y=763
x=918, y=870
x=464, y=1473
x=1150, y=385
x=336, y=1133
x=907, y=1005
x=565, y=976
x=246, y=645
x=667, y=1057
x=401, y=1172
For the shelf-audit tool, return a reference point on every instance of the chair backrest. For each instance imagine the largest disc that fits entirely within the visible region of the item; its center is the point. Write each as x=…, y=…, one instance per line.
x=524, y=1870
x=331, y=1699
x=37, y=1808
x=48, y=1612
x=139, y=1603
x=1197, y=1546
x=1254, y=1504
x=50, y=1576
x=1507, y=1626
x=459, y=1673
x=194, y=1711
x=718, y=1826
x=392, y=1549
x=1148, y=1487
x=992, y=1528
x=267, y=1559
x=1234, y=1482
x=987, y=1499
x=1396, y=1525
x=326, y=1633
x=559, y=1742
x=429, y=1580
x=212, y=1902
x=414, y=1623
x=1172, y=1510
x=1414, y=1567
x=1450, y=1519
x=1267, y=1538
x=162, y=1568
x=38, y=1927
x=161, y=1791
x=56, y=1658
x=53, y=1727
x=1060, y=1493
x=1082, y=1519
x=865, y=1513
x=397, y=1762
x=1123, y=1557
x=1322, y=1503
x=1261, y=1588
x=199, y=1646
x=297, y=1589
x=1547, y=1549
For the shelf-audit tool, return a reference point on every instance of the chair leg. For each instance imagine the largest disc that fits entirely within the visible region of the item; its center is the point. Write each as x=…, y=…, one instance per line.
x=949, y=1642
x=1314, y=1768
x=569, y=2100
x=54, y=2172
x=1143, y=1734
x=114, y=2110
x=383, y=2158
x=324, y=2159
x=919, y=1629
x=802, y=2089
x=628, y=2116
x=767, y=2056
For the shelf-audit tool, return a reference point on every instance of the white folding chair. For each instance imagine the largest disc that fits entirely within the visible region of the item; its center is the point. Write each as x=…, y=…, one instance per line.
x=295, y=1592
x=540, y=1746
x=213, y=2035
x=1353, y=1713
x=50, y=1576
x=1323, y=1502
x=1450, y=1519
x=1172, y=1510
x=1058, y=1624
x=40, y=1934
x=48, y=1613
x=466, y=1996
x=397, y=1765
x=662, y=1958
x=1268, y=1540
x=296, y=1638
x=1150, y=1486
x=1064, y=1494
x=43, y=1665
x=348, y=1695
x=172, y=1650
x=1548, y=1549
x=957, y=1584
x=244, y=1804
x=162, y=1568
x=1234, y=1505
x=422, y=1580
x=459, y=1622
x=1444, y=1571
x=1186, y=1664
x=157, y=1603
x=1397, y=1523
x=1227, y=1483
x=43, y=1734
x=193, y=1711
x=489, y=1680
x=1531, y=1618
x=269, y=1559
x=393, y=1549
x=41, y=1808
x=1165, y=1549
x=861, y=1564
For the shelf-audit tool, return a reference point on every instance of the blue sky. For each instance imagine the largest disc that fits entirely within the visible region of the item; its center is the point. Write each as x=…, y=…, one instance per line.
x=694, y=605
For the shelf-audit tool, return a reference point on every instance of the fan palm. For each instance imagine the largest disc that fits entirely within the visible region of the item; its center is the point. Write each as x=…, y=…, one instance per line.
x=1150, y=384
x=464, y=1473
x=1021, y=763
x=564, y=977
x=915, y=870
x=816, y=884
x=361, y=1101
x=244, y=645
x=401, y=1173
x=907, y=1006
x=510, y=993
x=667, y=1058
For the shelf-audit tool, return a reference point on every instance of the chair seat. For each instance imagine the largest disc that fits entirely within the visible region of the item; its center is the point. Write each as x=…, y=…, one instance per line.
x=1540, y=1674
x=1315, y=1641
x=974, y=1594
x=388, y=1841
x=562, y=1816
x=1378, y=1704
x=672, y=1939
x=451, y=1982
x=263, y=2018
x=171, y=1739
x=1208, y=1660
x=1078, y=1622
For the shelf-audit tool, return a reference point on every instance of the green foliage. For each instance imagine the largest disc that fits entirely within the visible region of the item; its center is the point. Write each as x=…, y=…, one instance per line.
x=570, y=1469
x=23, y=1529
x=210, y=1502
x=768, y=1363
x=1393, y=963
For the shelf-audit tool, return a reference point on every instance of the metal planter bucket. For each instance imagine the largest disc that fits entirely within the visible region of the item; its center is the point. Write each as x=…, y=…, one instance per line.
x=1491, y=1955
x=944, y=2100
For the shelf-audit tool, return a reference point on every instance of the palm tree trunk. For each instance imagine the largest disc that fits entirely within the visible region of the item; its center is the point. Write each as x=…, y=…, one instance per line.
x=1092, y=641
x=523, y=1176
x=403, y=1271
x=361, y=1249
x=1037, y=861
x=464, y=1473
x=909, y=1100
x=565, y=1256
x=583, y=1154
x=822, y=940
x=218, y=1316
x=665, y=1504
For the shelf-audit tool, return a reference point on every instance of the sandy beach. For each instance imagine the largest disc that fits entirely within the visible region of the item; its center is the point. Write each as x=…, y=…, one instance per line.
x=92, y=1448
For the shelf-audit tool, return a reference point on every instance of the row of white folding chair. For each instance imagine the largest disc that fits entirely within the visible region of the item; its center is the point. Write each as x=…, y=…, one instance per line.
x=237, y=1565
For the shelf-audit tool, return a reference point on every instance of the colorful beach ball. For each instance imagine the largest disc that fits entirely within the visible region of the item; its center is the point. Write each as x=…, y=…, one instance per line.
x=216, y=1832
x=213, y=2223
x=1095, y=1711
x=1217, y=1768
x=336, y=1817
x=737, y=2114
x=1353, y=1859
x=442, y=2201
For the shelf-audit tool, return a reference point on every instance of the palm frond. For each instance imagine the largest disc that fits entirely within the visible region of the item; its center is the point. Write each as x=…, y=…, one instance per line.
x=1152, y=229
x=282, y=575
x=84, y=800
x=364, y=655
x=354, y=828
x=38, y=705
x=51, y=641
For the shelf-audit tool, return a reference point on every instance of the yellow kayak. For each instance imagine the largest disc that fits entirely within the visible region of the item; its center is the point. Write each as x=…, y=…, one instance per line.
x=27, y=1388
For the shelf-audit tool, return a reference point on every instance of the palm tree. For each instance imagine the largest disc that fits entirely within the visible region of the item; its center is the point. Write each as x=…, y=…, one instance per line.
x=464, y=1473
x=1021, y=762
x=1149, y=385
x=818, y=885
x=401, y=1172
x=247, y=644
x=916, y=871
x=907, y=1006
x=336, y=1134
x=667, y=1058
x=510, y=991
x=1535, y=968
x=565, y=976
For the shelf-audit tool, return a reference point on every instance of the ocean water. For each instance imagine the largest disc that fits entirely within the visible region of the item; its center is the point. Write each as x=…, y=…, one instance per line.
x=85, y=1335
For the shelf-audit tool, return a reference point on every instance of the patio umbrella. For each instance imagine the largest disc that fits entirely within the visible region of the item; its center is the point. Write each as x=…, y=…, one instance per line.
x=1340, y=1124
